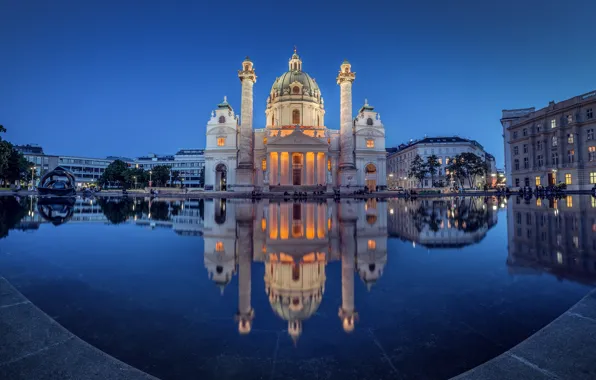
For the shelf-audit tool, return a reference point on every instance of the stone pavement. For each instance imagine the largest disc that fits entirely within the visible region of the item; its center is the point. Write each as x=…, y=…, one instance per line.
x=564, y=349
x=34, y=346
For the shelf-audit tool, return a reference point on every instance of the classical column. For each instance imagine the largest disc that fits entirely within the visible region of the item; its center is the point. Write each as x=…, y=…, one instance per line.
x=279, y=168
x=347, y=224
x=316, y=176
x=347, y=167
x=245, y=164
x=290, y=169
x=303, y=182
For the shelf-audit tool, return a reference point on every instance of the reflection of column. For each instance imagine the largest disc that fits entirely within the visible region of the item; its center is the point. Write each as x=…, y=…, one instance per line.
x=303, y=182
x=244, y=251
x=347, y=312
x=316, y=173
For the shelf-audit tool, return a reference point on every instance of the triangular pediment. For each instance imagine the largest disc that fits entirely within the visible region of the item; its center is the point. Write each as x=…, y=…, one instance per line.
x=297, y=138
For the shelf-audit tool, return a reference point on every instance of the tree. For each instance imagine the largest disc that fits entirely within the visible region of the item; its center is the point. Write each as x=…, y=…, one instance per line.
x=161, y=174
x=176, y=177
x=114, y=173
x=5, y=151
x=418, y=169
x=135, y=177
x=432, y=165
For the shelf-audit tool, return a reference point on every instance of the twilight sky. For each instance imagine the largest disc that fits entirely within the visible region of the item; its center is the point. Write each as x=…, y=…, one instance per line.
x=126, y=78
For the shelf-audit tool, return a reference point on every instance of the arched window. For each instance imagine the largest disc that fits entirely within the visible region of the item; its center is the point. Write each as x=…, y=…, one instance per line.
x=369, y=121
x=222, y=119
x=295, y=116
x=318, y=121
x=296, y=90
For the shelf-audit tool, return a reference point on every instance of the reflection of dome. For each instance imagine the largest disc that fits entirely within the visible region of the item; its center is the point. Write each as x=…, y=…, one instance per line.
x=295, y=287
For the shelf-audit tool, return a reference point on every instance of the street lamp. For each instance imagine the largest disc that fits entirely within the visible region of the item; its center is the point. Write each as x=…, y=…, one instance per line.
x=32, y=177
x=135, y=177
x=150, y=172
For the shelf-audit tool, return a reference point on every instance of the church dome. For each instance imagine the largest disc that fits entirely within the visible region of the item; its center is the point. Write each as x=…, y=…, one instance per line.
x=295, y=81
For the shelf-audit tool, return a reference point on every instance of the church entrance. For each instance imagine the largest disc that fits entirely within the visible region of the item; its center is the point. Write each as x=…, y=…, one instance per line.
x=297, y=169
x=370, y=177
x=220, y=177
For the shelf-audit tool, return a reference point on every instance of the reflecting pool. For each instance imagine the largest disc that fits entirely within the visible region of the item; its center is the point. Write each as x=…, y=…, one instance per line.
x=235, y=289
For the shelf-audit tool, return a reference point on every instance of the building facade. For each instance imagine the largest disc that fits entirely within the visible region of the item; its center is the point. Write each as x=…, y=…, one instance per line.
x=552, y=145
x=445, y=148
x=42, y=162
x=294, y=148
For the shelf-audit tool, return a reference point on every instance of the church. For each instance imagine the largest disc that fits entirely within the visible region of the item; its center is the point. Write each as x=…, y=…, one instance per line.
x=294, y=150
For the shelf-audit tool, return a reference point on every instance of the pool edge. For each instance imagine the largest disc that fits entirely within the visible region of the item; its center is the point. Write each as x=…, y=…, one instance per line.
x=563, y=349
x=39, y=347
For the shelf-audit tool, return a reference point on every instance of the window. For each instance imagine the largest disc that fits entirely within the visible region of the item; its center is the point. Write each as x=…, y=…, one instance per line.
x=440, y=160
x=525, y=132
x=517, y=182
x=540, y=159
x=590, y=134
x=295, y=90
x=568, y=179
x=555, y=159
x=369, y=121
x=516, y=164
x=264, y=164
x=553, y=123
x=525, y=148
x=295, y=117
x=222, y=119
x=555, y=141
x=570, y=156
x=589, y=113
x=537, y=180
x=221, y=141
x=526, y=163
x=569, y=119
x=592, y=153
x=539, y=145
x=569, y=201
x=516, y=150
x=593, y=177
x=370, y=143
x=570, y=138
x=219, y=246
x=372, y=244
x=527, y=181
x=538, y=128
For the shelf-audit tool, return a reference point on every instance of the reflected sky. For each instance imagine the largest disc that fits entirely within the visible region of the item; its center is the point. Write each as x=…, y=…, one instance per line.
x=423, y=289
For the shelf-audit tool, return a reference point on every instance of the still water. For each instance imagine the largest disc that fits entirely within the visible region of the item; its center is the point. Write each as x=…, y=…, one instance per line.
x=217, y=289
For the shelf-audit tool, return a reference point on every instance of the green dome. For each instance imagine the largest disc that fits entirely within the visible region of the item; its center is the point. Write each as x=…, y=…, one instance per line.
x=284, y=81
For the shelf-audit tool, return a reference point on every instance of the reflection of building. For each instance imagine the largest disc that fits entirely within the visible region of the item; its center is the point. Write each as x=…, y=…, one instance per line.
x=445, y=148
x=295, y=242
x=442, y=223
x=554, y=236
x=553, y=144
x=294, y=148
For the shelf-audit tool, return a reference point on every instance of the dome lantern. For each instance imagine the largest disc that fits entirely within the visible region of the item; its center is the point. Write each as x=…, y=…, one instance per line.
x=295, y=63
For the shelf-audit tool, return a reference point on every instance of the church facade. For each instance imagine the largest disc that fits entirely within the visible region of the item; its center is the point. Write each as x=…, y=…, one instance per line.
x=294, y=150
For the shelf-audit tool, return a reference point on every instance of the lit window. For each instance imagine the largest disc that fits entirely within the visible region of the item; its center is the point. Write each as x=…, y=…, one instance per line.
x=372, y=244
x=592, y=153
x=221, y=141
x=570, y=138
x=537, y=180
x=569, y=201
x=370, y=143
x=568, y=179
x=553, y=123
x=219, y=246
x=555, y=141
x=538, y=202
x=593, y=177
x=263, y=224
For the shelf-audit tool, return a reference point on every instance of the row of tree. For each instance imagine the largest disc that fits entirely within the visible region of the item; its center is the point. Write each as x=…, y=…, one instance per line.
x=119, y=173
x=13, y=165
x=462, y=168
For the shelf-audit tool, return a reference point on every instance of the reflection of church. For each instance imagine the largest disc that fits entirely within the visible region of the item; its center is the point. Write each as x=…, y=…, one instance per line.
x=556, y=236
x=295, y=242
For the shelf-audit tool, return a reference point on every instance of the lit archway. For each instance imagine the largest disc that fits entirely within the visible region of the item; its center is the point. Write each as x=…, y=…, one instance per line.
x=370, y=176
x=221, y=177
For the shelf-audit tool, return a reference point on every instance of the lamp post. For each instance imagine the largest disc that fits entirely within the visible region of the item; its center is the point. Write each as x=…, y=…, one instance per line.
x=135, y=177
x=150, y=172
x=32, y=177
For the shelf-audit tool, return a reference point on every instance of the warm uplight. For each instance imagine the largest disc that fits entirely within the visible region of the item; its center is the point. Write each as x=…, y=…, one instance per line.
x=221, y=141
x=263, y=224
x=370, y=143
x=372, y=245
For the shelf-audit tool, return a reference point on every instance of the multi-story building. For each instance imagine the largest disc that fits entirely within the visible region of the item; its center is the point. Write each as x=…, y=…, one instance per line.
x=399, y=161
x=42, y=162
x=190, y=163
x=552, y=145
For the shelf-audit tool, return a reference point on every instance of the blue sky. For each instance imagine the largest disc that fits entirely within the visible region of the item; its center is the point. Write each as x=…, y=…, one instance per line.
x=127, y=78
